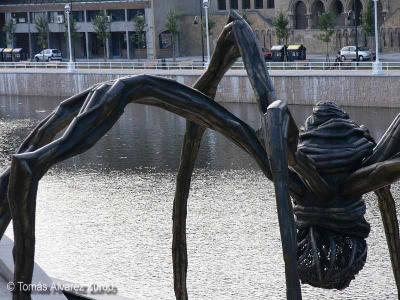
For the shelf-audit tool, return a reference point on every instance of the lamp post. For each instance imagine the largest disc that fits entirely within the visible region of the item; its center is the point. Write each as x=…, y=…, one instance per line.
x=201, y=30
x=377, y=65
x=205, y=5
x=356, y=17
x=70, y=63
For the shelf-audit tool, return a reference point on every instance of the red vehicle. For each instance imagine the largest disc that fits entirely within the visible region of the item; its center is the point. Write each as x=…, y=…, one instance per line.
x=267, y=54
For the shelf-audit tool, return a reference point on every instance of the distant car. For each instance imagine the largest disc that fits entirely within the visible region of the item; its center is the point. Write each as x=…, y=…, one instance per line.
x=267, y=54
x=349, y=53
x=48, y=55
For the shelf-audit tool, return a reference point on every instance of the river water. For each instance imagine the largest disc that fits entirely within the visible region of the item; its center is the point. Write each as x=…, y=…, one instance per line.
x=104, y=217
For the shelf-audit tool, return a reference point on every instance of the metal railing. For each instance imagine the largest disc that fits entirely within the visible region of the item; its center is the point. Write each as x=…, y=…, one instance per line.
x=158, y=65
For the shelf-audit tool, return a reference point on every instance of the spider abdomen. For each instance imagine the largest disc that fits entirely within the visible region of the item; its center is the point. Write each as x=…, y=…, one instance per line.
x=331, y=232
x=336, y=146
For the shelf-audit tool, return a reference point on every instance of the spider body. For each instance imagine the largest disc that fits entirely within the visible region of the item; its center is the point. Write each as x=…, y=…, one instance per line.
x=331, y=232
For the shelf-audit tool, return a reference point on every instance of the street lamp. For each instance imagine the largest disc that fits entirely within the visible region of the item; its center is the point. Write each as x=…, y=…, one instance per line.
x=67, y=12
x=377, y=65
x=205, y=5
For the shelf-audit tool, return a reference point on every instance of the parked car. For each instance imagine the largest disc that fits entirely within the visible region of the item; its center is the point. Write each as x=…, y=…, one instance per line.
x=349, y=53
x=267, y=54
x=48, y=55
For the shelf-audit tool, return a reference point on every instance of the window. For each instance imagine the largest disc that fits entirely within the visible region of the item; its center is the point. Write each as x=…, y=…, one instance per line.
x=132, y=13
x=300, y=16
x=52, y=16
x=78, y=16
x=20, y=17
x=271, y=4
x=221, y=4
x=246, y=4
x=139, y=40
x=117, y=15
x=259, y=4
x=91, y=14
x=234, y=4
x=165, y=40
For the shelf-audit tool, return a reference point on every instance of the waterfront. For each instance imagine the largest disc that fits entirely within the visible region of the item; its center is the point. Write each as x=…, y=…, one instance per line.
x=105, y=217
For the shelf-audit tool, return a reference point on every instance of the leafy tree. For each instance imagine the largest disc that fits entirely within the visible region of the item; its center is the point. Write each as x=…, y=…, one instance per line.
x=172, y=25
x=42, y=28
x=281, y=26
x=75, y=35
x=138, y=38
x=9, y=29
x=74, y=29
x=211, y=25
x=327, y=25
x=367, y=21
x=101, y=27
x=246, y=18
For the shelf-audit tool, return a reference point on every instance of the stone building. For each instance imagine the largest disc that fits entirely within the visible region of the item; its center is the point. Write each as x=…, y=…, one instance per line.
x=303, y=17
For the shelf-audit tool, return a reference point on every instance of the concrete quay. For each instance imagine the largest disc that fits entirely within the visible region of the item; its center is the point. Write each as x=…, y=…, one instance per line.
x=303, y=87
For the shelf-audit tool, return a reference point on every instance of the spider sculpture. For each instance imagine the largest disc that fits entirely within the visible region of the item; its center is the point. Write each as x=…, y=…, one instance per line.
x=325, y=168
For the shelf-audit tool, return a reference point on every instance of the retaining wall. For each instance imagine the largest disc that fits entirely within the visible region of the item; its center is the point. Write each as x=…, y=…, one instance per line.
x=300, y=87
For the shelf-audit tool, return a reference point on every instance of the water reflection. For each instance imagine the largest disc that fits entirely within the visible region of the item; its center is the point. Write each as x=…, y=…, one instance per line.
x=105, y=216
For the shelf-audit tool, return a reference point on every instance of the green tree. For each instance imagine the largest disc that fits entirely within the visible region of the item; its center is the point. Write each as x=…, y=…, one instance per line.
x=211, y=25
x=138, y=38
x=281, y=27
x=101, y=27
x=246, y=18
x=42, y=28
x=9, y=29
x=172, y=25
x=75, y=35
x=327, y=25
x=367, y=21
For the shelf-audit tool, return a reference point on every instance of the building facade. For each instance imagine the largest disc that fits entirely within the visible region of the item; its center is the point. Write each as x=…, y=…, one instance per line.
x=123, y=41
x=303, y=17
x=156, y=41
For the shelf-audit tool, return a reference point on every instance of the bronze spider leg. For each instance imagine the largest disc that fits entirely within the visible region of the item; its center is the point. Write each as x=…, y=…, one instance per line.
x=41, y=135
x=380, y=170
x=97, y=115
x=280, y=150
x=237, y=36
x=223, y=57
x=225, y=54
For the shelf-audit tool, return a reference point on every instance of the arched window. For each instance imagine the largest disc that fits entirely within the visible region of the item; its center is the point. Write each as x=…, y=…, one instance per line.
x=221, y=4
x=357, y=7
x=259, y=4
x=338, y=9
x=317, y=10
x=234, y=4
x=300, y=15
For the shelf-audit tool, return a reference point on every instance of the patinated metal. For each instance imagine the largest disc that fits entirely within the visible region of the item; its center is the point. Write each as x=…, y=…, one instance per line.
x=319, y=171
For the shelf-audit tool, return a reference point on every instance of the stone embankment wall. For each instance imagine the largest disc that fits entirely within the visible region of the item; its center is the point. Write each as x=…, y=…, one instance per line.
x=350, y=89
